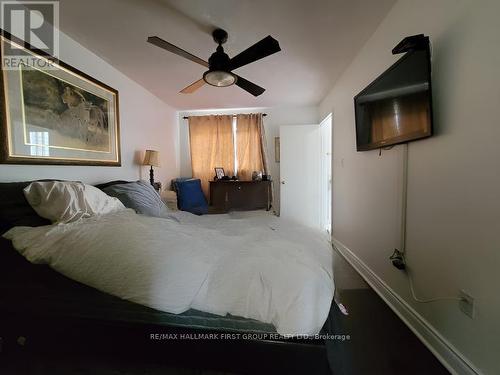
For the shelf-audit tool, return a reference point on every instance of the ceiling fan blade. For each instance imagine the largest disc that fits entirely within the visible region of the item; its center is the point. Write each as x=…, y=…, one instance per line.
x=159, y=42
x=246, y=85
x=259, y=50
x=193, y=87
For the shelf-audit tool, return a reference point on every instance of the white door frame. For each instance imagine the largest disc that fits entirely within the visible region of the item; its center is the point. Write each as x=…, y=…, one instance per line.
x=323, y=202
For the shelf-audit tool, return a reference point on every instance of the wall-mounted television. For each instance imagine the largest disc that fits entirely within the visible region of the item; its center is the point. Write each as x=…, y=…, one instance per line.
x=397, y=106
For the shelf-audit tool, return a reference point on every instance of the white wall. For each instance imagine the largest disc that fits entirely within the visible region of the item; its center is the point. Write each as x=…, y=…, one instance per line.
x=454, y=177
x=145, y=122
x=276, y=117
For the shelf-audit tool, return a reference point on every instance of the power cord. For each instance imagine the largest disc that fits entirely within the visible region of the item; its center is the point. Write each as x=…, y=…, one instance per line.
x=419, y=300
x=398, y=257
x=384, y=148
x=399, y=261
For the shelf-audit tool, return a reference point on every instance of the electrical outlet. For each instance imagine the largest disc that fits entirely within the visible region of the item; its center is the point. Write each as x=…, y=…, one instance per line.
x=466, y=304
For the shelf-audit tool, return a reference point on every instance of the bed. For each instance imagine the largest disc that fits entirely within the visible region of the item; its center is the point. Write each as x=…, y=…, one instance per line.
x=31, y=293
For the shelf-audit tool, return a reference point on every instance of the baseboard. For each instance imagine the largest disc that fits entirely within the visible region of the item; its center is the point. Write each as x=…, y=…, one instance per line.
x=445, y=352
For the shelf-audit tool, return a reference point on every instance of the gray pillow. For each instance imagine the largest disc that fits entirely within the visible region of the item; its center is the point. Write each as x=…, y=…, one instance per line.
x=140, y=196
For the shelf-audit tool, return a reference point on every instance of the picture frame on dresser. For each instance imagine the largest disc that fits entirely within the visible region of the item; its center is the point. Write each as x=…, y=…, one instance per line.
x=219, y=172
x=53, y=113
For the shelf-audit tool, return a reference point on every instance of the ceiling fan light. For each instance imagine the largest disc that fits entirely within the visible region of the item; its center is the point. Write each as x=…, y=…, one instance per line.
x=219, y=78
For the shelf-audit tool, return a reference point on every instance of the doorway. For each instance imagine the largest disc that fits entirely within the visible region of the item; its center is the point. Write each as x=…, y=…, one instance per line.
x=325, y=129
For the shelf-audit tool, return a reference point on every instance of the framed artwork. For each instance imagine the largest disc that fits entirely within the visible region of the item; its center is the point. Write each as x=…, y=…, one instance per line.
x=277, y=149
x=219, y=172
x=55, y=114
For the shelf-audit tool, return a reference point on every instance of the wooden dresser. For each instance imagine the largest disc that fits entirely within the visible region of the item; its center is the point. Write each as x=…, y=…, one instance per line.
x=240, y=195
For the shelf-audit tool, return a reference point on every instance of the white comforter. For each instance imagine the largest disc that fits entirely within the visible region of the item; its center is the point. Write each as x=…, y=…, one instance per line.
x=253, y=265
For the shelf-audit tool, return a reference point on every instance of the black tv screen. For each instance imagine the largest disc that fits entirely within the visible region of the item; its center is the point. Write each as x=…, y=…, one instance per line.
x=397, y=106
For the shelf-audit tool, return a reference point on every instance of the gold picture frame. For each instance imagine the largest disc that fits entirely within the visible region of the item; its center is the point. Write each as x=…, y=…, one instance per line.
x=55, y=114
x=277, y=149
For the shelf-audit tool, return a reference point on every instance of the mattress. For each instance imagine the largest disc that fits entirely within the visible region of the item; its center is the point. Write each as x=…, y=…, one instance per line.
x=255, y=266
x=37, y=289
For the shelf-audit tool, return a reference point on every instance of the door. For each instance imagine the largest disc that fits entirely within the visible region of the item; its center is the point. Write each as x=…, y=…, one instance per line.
x=300, y=149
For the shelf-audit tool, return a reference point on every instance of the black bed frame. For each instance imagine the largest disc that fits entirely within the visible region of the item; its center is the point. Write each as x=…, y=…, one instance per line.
x=27, y=334
x=24, y=336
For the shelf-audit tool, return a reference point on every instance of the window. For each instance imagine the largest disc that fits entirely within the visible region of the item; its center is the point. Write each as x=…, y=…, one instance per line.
x=39, y=143
x=234, y=143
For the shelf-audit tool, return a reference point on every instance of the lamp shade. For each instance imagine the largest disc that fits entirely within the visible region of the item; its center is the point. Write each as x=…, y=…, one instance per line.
x=152, y=158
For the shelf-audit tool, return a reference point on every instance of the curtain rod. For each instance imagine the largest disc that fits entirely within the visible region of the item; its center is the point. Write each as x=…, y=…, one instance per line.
x=186, y=117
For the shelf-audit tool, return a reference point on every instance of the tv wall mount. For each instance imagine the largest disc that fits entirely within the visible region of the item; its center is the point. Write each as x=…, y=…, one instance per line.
x=412, y=43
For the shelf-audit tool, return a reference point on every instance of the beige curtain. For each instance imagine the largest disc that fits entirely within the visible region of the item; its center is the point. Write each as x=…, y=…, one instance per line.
x=251, y=145
x=211, y=142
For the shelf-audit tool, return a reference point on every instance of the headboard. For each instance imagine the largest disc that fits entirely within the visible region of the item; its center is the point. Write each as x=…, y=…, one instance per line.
x=15, y=209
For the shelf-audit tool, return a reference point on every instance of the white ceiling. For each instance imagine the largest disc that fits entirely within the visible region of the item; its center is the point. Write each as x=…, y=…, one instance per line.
x=318, y=39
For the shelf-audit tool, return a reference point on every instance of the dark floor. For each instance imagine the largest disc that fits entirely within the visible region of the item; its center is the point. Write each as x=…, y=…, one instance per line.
x=379, y=343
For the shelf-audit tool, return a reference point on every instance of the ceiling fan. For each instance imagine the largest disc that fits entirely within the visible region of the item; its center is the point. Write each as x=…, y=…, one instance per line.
x=220, y=66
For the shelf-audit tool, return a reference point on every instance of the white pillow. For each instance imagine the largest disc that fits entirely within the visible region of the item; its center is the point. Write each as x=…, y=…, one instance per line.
x=64, y=202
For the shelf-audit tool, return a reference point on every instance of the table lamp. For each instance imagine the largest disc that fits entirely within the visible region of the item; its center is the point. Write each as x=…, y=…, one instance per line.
x=151, y=158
